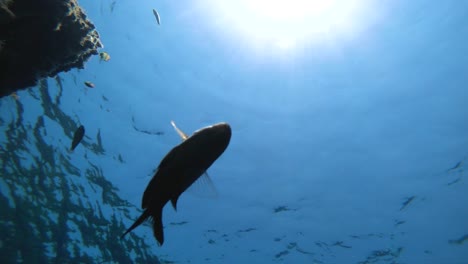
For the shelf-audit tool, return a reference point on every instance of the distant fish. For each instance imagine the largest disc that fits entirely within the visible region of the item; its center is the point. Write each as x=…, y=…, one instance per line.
x=104, y=56
x=89, y=84
x=179, y=169
x=112, y=6
x=460, y=240
x=407, y=202
x=156, y=15
x=77, y=137
x=457, y=166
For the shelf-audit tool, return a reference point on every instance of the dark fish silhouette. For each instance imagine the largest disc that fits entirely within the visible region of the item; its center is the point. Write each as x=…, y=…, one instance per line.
x=89, y=84
x=457, y=166
x=407, y=202
x=77, y=137
x=181, y=167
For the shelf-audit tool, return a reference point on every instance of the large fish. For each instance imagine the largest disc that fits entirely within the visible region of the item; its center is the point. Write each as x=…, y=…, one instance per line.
x=205, y=180
x=179, y=169
x=77, y=137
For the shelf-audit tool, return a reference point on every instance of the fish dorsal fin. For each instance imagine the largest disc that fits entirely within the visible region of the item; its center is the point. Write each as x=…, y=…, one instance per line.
x=203, y=187
x=174, y=202
x=180, y=132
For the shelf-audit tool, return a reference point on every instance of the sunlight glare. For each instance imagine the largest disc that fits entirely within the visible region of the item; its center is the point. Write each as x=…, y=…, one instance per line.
x=282, y=24
x=281, y=10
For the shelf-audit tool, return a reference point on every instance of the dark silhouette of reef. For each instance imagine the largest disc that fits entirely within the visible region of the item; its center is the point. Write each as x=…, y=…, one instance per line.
x=40, y=38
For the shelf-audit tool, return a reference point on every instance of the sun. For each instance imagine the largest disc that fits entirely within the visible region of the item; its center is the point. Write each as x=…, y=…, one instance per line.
x=283, y=24
x=284, y=11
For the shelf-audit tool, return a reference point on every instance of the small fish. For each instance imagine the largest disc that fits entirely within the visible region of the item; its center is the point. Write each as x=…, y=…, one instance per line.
x=104, y=56
x=454, y=181
x=15, y=96
x=89, y=84
x=179, y=169
x=407, y=202
x=77, y=137
x=399, y=222
x=156, y=15
x=457, y=166
x=58, y=27
x=459, y=241
x=112, y=6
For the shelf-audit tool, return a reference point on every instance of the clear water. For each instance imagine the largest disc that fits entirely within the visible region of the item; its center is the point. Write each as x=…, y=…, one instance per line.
x=348, y=125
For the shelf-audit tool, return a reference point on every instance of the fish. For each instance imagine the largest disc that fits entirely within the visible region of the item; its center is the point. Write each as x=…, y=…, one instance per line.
x=460, y=240
x=104, y=56
x=457, y=166
x=178, y=170
x=206, y=179
x=407, y=202
x=77, y=137
x=112, y=6
x=89, y=84
x=156, y=15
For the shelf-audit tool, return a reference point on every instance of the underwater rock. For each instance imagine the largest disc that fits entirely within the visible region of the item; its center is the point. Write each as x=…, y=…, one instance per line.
x=41, y=39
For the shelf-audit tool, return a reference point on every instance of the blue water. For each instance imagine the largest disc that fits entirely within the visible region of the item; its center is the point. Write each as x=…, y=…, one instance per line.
x=346, y=130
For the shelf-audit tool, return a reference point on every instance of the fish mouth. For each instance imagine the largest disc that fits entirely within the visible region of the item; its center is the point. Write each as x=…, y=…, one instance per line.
x=221, y=128
x=215, y=135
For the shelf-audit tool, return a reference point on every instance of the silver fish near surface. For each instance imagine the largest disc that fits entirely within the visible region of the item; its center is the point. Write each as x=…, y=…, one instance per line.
x=156, y=15
x=178, y=170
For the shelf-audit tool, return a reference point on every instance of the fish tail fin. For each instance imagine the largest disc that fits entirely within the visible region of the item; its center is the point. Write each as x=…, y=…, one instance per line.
x=138, y=222
x=158, y=226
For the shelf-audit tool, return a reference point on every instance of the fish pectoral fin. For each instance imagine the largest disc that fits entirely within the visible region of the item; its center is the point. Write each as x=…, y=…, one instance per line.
x=174, y=202
x=203, y=187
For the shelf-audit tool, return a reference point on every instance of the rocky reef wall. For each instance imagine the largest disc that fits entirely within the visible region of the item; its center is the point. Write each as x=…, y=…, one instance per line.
x=40, y=38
